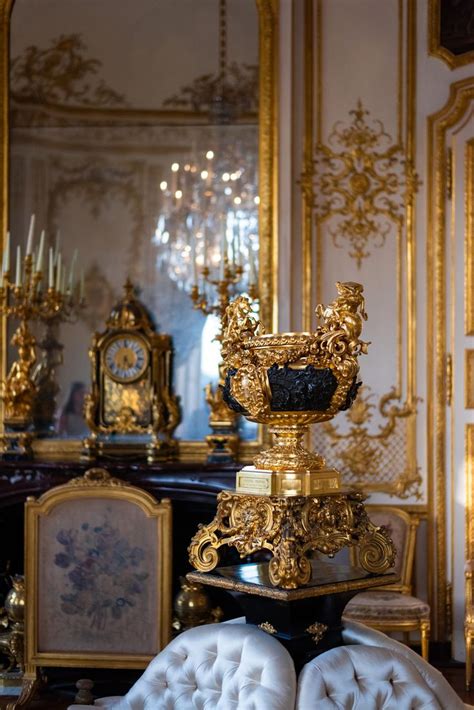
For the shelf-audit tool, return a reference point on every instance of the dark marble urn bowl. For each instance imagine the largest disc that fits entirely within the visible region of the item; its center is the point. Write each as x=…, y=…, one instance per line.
x=308, y=389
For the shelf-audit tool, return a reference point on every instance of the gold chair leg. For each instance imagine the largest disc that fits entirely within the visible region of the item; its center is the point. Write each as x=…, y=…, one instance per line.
x=468, y=659
x=425, y=638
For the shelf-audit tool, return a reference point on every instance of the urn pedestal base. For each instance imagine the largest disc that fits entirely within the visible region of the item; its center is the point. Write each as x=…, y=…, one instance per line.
x=290, y=527
x=307, y=621
x=287, y=483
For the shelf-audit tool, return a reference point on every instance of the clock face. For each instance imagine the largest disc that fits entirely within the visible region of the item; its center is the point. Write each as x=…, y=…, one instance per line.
x=126, y=358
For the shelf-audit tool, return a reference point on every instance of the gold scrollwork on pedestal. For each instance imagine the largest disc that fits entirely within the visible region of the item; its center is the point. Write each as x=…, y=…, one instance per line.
x=289, y=528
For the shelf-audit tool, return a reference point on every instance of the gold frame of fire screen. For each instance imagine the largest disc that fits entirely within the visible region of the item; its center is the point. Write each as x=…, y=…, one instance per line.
x=268, y=185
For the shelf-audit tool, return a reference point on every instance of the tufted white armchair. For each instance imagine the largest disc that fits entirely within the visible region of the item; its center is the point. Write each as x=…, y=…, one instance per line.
x=218, y=666
x=377, y=673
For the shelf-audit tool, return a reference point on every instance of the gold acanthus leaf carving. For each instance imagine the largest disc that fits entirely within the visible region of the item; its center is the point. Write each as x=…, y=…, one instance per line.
x=362, y=186
x=60, y=74
x=289, y=528
x=97, y=477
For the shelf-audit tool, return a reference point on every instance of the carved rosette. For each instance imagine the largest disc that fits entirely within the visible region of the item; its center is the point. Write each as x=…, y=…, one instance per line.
x=289, y=527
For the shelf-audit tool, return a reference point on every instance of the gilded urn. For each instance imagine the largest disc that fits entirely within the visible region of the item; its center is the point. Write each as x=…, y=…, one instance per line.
x=289, y=381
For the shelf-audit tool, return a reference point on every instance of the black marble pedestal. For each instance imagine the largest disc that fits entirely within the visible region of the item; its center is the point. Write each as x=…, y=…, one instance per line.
x=307, y=620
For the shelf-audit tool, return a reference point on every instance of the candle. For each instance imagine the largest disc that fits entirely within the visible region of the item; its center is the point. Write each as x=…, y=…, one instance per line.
x=237, y=246
x=193, y=259
x=18, y=267
x=71, y=273
x=51, y=268
x=223, y=255
x=56, y=247
x=204, y=246
x=39, y=260
x=29, y=243
x=6, y=255
x=58, y=272
x=252, y=274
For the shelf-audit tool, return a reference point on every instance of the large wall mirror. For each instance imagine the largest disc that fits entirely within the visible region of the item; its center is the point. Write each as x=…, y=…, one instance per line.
x=113, y=123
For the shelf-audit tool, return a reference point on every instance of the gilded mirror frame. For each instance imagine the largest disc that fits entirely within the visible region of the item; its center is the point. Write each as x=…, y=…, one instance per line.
x=268, y=182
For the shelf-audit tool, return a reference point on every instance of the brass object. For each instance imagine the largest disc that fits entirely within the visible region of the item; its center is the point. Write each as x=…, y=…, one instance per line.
x=84, y=695
x=320, y=367
x=288, y=381
x=192, y=607
x=131, y=386
x=12, y=640
x=289, y=527
x=44, y=376
x=267, y=627
x=223, y=443
x=27, y=301
x=317, y=631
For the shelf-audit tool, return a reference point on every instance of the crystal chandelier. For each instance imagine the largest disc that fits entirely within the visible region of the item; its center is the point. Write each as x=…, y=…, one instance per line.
x=209, y=215
x=209, y=204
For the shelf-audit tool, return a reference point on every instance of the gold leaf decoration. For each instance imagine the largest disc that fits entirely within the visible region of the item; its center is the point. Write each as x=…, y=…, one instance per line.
x=60, y=74
x=371, y=454
x=360, y=183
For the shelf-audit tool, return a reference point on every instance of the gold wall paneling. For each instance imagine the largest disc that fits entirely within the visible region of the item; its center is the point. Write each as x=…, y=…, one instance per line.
x=434, y=34
x=440, y=125
x=360, y=171
x=469, y=242
x=469, y=455
x=100, y=102
x=469, y=379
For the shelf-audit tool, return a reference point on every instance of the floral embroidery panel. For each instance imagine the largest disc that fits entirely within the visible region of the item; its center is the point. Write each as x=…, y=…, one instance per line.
x=98, y=578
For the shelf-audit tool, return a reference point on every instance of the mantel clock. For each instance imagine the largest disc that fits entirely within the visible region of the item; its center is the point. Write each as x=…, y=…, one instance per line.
x=131, y=404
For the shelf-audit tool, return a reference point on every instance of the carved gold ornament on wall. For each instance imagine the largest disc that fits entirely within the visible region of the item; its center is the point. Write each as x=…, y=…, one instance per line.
x=366, y=454
x=60, y=74
x=361, y=186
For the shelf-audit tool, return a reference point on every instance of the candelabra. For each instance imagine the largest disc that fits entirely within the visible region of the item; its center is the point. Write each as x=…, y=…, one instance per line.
x=223, y=442
x=26, y=299
x=44, y=375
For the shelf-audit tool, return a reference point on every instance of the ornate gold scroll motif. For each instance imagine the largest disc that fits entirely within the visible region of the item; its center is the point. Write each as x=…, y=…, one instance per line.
x=289, y=528
x=362, y=186
x=60, y=74
x=367, y=455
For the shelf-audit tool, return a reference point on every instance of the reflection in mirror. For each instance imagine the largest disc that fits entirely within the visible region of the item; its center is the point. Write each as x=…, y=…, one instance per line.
x=134, y=139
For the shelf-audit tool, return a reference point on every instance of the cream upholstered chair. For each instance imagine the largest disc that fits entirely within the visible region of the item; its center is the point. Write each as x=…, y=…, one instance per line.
x=218, y=666
x=373, y=672
x=392, y=607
